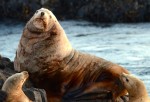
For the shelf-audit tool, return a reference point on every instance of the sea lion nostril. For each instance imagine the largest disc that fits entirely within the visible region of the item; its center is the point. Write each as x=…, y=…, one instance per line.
x=42, y=13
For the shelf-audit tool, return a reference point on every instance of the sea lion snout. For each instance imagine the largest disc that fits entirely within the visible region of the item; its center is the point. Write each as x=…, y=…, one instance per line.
x=123, y=75
x=26, y=74
x=41, y=21
x=39, y=14
x=42, y=14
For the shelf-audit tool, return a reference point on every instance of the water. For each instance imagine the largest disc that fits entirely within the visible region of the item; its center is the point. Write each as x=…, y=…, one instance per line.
x=125, y=44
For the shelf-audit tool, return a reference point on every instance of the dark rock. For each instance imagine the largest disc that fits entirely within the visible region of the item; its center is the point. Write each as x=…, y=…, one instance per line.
x=2, y=66
x=3, y=96
x=6, y=63
x=1, y=83
x=20, y=9
x=92, y=10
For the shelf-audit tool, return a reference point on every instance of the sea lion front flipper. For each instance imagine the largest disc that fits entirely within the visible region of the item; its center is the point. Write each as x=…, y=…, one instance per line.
x=101, y=96
x=97, y=97
x=36, y=95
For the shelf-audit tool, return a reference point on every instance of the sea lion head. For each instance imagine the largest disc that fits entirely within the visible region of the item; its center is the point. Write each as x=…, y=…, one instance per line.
x=42, y=21
x=127, y=80
x=15, y=82
x=133, y=85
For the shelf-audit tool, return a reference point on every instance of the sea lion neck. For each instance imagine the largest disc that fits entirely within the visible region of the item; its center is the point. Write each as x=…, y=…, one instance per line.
x=59, y=40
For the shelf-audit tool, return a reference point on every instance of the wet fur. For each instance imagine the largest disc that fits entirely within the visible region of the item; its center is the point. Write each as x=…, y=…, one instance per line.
x=55, y=66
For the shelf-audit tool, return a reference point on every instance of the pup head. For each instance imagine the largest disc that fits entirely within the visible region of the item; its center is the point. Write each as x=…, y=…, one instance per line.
x=133, y=85
x=15, y=82
x=42, y=21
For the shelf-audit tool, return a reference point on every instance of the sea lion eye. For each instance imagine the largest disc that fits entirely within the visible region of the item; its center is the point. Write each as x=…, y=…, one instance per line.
x=50, y=16
x=127, y=80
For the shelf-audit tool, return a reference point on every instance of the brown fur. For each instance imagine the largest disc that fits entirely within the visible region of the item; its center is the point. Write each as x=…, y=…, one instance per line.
x=135, y=87
x=58, y=68
x=13, y=87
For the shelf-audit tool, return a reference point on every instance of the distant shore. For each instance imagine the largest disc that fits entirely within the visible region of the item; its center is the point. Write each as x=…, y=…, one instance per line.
x=91, y=10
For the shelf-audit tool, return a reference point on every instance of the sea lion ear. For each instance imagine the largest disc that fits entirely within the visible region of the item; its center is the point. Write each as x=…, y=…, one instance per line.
x=124, y=74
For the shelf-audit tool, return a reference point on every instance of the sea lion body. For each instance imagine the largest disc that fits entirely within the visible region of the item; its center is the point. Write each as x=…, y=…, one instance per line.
x=13, y=88
x=58, y=68
x=135, y=87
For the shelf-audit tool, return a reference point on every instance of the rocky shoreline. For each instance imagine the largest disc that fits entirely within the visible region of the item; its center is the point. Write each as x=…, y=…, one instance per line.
x=91, y=10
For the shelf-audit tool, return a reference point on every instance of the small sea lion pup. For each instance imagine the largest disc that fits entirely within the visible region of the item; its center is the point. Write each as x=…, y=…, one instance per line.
x=46, y=53
x=135, y=87
x=13, y=88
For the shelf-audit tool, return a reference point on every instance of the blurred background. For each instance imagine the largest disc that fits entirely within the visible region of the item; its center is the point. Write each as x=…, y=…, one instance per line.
x=91, y=10
x=116, y=30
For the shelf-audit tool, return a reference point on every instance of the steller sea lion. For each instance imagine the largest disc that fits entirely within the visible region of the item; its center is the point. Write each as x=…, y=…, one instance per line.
x=46, y=53
x=135, y=87
x=13, y=87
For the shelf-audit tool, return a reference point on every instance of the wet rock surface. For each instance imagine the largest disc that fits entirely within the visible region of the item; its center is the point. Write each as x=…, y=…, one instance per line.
x=92, y=10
